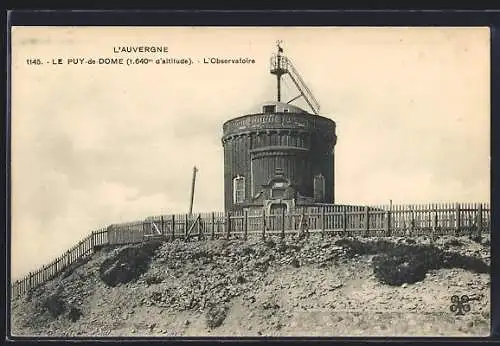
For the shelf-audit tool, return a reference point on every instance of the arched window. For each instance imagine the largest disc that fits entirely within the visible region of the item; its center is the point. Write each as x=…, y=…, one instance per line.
x=239, y=189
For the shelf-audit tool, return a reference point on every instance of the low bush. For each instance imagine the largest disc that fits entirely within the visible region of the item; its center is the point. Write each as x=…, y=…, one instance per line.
x=128, y=264
x=409, y=264
x=216, y=315
x=398, y=263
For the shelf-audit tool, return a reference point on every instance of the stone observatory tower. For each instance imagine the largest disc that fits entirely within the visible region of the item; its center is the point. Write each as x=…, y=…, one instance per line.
x=281, y=156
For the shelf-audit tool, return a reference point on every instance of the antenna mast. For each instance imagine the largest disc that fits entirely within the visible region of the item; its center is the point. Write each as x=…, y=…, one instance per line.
x=281, y=65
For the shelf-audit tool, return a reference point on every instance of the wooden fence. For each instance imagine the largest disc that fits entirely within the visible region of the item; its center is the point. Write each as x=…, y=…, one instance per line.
x=455, y=219
x=78, y=252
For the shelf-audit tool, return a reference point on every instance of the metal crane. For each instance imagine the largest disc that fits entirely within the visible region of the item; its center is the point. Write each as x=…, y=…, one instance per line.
x=281, y=65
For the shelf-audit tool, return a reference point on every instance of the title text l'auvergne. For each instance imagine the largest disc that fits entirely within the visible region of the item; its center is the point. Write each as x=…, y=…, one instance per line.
x=140, y=49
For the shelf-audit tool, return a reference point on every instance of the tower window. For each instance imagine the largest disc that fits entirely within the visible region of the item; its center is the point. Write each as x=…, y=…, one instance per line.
x=239, y=189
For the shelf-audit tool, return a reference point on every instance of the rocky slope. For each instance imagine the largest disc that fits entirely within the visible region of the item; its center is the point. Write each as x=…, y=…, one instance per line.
x=311, y=287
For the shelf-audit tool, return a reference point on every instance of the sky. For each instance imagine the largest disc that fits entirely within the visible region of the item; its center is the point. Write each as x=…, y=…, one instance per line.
x=98, y=144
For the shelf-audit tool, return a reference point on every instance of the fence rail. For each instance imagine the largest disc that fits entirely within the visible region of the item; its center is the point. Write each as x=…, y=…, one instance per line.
x=400, y=220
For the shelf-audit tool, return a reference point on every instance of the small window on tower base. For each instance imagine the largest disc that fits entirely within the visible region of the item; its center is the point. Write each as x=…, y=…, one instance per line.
x=239, y=189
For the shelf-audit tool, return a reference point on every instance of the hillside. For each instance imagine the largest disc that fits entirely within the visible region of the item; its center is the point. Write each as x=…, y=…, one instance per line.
x=314, y=287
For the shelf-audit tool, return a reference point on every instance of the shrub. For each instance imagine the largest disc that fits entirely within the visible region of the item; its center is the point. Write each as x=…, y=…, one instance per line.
x=409, y=264
x=216, y=315
x=74, y=314
x=128, y=264
x=54, y=304
x=398, y=263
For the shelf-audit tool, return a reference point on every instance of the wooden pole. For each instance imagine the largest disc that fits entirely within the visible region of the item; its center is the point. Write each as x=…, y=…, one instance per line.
x=283, y=223
x=144, y=229
x=435, y=225
x=480, y=220
x=344, y=220
x=323, y=217
x=173, y=227
x=367, y=221
x=213, y=226
x=388, y=223
x=199, y=227
x=186, y=226
x=228, y=223
x=192, y=190
x=263, y=224
x=162, y=225
x=245, y=225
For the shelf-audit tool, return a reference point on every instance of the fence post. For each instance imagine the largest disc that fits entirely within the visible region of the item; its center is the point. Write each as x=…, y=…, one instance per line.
x=344, y=220
x=199, y=227
x=162, y=226
x=92, y=240
x=480, y=221
x=283, y=223
x=263, y=224
x=458, y=221
x=245, y=225
x=367, y=221
x=322, y=221
x=173, y=227
x=213, y=226
x=228, y=225
x=186, y=224
x=435, y=226
x=388, y=223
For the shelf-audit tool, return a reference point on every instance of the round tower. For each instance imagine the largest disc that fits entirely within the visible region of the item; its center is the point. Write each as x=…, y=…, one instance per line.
x=281, y=154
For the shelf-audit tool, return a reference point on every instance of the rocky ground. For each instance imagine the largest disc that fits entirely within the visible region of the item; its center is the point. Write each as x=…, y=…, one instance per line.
x=311, y=287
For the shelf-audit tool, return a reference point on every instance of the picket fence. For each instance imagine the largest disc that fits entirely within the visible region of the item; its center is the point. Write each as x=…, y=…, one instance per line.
x=454, y=219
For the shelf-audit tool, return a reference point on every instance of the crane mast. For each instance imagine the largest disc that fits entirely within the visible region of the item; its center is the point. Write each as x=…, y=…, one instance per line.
x=281, y=65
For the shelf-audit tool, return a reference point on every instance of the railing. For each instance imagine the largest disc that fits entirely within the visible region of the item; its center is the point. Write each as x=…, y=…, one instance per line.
x=401, y=220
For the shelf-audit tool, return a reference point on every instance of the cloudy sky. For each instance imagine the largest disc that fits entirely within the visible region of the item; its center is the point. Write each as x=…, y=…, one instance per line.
x=97, y=144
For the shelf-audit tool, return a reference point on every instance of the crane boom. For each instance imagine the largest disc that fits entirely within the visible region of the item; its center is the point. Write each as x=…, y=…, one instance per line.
x=304, y=90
